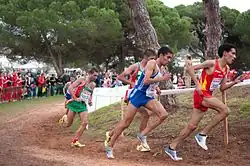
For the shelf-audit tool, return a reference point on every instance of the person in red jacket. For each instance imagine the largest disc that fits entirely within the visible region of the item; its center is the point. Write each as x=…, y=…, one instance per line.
x=14, y=88
x=41, y=84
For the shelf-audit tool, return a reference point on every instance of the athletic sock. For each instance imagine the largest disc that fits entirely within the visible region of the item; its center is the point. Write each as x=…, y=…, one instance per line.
x=74, y=140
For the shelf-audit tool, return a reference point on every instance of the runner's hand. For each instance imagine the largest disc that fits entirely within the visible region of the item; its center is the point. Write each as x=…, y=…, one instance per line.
x=239, y=79
x=158, y=91
x=68, y=101
x=166, y=76
x=199, y=89
x=90, y=103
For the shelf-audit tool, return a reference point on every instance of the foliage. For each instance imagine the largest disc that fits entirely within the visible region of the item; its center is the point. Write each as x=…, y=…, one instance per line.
x=78, y=32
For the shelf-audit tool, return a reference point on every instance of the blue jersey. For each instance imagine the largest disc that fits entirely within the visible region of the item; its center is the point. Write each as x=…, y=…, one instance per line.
x=148, y=89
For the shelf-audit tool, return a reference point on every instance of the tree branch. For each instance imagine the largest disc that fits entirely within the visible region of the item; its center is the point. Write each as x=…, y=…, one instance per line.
x=193, y=51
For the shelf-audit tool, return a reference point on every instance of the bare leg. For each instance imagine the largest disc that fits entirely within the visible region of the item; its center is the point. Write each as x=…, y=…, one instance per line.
x=220, y=107
x=196, y=116
x=123, y=124
x=156, y=107
x=84, y=123
x=70, y=117
x=144, y=119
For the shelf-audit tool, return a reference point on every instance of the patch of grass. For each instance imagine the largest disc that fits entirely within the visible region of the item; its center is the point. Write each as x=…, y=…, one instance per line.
x=106, y=118
x=13, y=107
x=245, y=110
x=101, y=120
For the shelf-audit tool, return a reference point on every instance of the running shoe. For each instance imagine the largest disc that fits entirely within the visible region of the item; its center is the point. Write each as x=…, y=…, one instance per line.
x=63, y=120
x=172, y=153
x=77, y=144
x=201, y=140
x=143, y=140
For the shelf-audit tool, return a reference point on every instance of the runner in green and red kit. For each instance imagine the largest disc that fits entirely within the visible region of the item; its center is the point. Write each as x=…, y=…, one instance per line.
x=81, y=96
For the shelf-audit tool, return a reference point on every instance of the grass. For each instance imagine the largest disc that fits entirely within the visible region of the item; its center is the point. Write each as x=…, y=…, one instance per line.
x=245, y=109
x=23, y=105
x=101, y=120
x=105, y=118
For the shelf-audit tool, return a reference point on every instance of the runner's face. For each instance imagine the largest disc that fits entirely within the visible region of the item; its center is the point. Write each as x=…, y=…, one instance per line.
x=166, y=58
x=230, y=56
x=93, y=76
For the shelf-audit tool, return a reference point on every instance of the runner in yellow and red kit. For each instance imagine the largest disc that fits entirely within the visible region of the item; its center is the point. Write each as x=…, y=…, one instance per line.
x=214, y=75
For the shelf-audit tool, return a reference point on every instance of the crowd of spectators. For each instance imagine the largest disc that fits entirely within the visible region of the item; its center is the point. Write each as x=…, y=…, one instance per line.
x=18, y=85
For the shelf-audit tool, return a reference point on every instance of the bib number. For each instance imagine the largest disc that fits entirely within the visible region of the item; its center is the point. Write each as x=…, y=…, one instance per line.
x=215, y=83
x=85, y=95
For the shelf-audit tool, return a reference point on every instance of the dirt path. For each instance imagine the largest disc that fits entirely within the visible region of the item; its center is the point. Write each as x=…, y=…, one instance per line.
x=34, y=138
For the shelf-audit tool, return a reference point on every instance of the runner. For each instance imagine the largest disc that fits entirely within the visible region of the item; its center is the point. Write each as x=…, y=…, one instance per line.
x=67, y=97
x=78, y=103
x=143, y=95
x=130, y=76
x=214, y=73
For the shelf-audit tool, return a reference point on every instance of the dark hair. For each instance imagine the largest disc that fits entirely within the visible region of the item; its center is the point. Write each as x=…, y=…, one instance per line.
x=93, y=70
x=149, y=52
x=164, y=50
x=225, y=47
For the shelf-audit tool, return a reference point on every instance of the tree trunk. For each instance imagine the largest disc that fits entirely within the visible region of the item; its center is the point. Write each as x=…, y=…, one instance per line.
x=213, y=28
x=123, y=53
x=57, y=62
x=60, y=63
x=145, y=33
x=146, y=38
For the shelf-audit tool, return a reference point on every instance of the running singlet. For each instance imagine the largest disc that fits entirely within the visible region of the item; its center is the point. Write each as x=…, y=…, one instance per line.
x=134, y=77
x=136, y=74
x=150, y=88
x=83, y=93
x=210, y=82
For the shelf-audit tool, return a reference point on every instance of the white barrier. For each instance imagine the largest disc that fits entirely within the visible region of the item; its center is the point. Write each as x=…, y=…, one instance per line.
x=177, y=91
x=105, y=96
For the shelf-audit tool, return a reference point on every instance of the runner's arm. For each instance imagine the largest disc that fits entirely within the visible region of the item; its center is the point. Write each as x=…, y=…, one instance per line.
x=150, y=67
x=74, y=85
x=90, y=102
x=190, y=69
x=226, y=85
x=64, y=88
x=127, y=72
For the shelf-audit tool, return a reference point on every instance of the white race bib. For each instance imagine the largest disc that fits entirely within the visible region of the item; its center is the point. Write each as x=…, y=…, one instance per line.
x=215, y=83
x=85, y=95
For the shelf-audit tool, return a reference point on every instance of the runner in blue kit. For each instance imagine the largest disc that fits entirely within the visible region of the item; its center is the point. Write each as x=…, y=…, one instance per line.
x=143, y=95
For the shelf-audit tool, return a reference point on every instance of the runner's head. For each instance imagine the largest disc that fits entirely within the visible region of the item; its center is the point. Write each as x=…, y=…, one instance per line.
x=227, y=52
x=149, y=54
x=165, y=55
x=93, y=73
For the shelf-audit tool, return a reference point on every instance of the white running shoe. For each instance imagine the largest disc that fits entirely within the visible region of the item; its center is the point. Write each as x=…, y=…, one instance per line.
x=143, y=140
x=201, y=140
x=172, y=153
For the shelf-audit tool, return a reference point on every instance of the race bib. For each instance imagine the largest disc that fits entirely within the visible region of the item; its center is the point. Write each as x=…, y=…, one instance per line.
x=215, y=83
x=85, y=95
x=151, y=91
